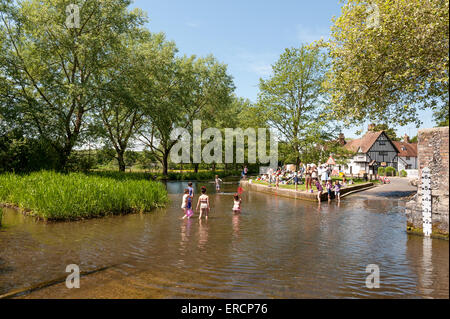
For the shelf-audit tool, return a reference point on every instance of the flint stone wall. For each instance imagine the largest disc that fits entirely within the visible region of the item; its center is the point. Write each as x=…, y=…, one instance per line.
x=433, y=146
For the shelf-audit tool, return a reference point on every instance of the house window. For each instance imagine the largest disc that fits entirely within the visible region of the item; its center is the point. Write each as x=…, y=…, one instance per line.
x=383, y=153
x=408, y=158
x=382, y=143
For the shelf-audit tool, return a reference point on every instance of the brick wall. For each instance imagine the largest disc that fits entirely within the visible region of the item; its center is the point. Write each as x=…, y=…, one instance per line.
x=433, y=146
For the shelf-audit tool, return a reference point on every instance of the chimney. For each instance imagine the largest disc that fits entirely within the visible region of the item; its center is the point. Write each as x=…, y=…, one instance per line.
x=341, y=139
x=406, y=138
x=371, y=127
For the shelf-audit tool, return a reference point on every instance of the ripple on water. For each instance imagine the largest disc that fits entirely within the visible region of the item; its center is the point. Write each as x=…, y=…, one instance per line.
x=277, y=248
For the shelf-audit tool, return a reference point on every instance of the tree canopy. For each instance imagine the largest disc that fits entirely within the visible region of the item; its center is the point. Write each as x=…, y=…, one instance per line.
x=292, y=101
x=390, y=59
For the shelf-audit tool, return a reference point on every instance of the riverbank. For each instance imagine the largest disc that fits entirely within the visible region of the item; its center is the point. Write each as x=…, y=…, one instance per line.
x=301, y=194
x=51, y=196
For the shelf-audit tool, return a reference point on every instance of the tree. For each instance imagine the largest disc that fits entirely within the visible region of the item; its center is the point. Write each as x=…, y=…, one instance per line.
x=390, y=59
x=292, y=100
x=186, y=89
x=121, y=106
x=49, y=70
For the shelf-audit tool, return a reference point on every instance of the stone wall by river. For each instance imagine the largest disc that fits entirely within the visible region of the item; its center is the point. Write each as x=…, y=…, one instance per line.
x=433, y=152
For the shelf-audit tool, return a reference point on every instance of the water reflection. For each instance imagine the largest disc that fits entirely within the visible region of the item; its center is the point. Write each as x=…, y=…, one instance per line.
x=277, y=247
x=236, y=221
x=202, y=233
x=427, y=278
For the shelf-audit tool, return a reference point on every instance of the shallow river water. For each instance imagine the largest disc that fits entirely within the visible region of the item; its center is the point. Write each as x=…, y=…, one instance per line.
x=277, y=248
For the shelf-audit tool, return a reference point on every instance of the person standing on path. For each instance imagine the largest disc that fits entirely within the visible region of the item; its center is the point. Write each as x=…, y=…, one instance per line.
x=308, y=178
x=296, y=181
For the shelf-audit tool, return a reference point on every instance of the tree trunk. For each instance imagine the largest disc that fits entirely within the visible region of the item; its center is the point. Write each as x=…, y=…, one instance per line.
x=63, y=154
x=165, y=162
x=121, y=161
x=196, y=165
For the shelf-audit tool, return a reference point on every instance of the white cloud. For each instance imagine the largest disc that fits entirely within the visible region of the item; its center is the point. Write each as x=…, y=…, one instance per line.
x=192, y=24
x=258, y=63
x=261, y=69
x=311, y=34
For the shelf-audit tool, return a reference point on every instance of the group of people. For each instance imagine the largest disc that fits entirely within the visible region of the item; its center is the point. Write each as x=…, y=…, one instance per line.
x=311, y=176
x=203, y=204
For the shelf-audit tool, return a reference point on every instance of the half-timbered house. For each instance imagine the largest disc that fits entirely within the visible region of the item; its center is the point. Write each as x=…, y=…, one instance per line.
x=373, y=150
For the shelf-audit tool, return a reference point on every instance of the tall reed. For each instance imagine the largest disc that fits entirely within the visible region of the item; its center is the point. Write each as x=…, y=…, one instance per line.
x=56, y=196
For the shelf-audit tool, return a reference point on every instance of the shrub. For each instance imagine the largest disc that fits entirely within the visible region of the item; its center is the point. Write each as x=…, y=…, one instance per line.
x=390, y=171
x=381, y=171
x=403, y=173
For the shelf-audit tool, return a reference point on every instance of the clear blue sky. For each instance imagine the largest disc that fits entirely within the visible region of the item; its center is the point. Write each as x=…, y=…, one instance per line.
x=247, y=35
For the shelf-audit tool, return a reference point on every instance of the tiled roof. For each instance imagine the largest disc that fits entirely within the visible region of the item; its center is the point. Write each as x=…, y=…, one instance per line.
x=406, y=149
x=365, y=142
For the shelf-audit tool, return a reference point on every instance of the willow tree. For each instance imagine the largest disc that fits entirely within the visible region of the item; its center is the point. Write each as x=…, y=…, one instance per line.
x=292, y=100
x=122, y=108
x=184, y=90
x=390, y=59
x=51, y=61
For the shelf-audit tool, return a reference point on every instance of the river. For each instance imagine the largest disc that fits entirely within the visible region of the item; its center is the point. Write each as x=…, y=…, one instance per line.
x=277, y=248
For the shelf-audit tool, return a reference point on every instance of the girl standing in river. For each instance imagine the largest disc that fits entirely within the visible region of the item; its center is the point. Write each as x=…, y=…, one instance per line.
x=319, y=189
x=203, y=203
x=218, y=181
x=184, y=205
x=237, y=204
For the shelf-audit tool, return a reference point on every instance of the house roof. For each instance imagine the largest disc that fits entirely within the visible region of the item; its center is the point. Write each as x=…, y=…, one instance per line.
x=406, y=149
x=365, y=142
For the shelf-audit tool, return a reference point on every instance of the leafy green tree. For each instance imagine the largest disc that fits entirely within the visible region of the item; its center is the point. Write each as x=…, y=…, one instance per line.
x=50, y=71
x=390, y=59
x=186, y=89
x=292, y=100
x=122, y=106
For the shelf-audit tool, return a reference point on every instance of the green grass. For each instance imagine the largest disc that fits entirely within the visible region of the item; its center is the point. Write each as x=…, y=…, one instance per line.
x=55, y=196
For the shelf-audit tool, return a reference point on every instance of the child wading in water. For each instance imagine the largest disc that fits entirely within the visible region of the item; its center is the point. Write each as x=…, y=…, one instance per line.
x=329, y=186
x=337, y=191
x=218, y=181
x=203, y=203
x=185, y=203
x=237, y=204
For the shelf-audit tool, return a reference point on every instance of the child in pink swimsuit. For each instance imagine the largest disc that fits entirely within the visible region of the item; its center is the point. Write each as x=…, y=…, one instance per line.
x=237, y=204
